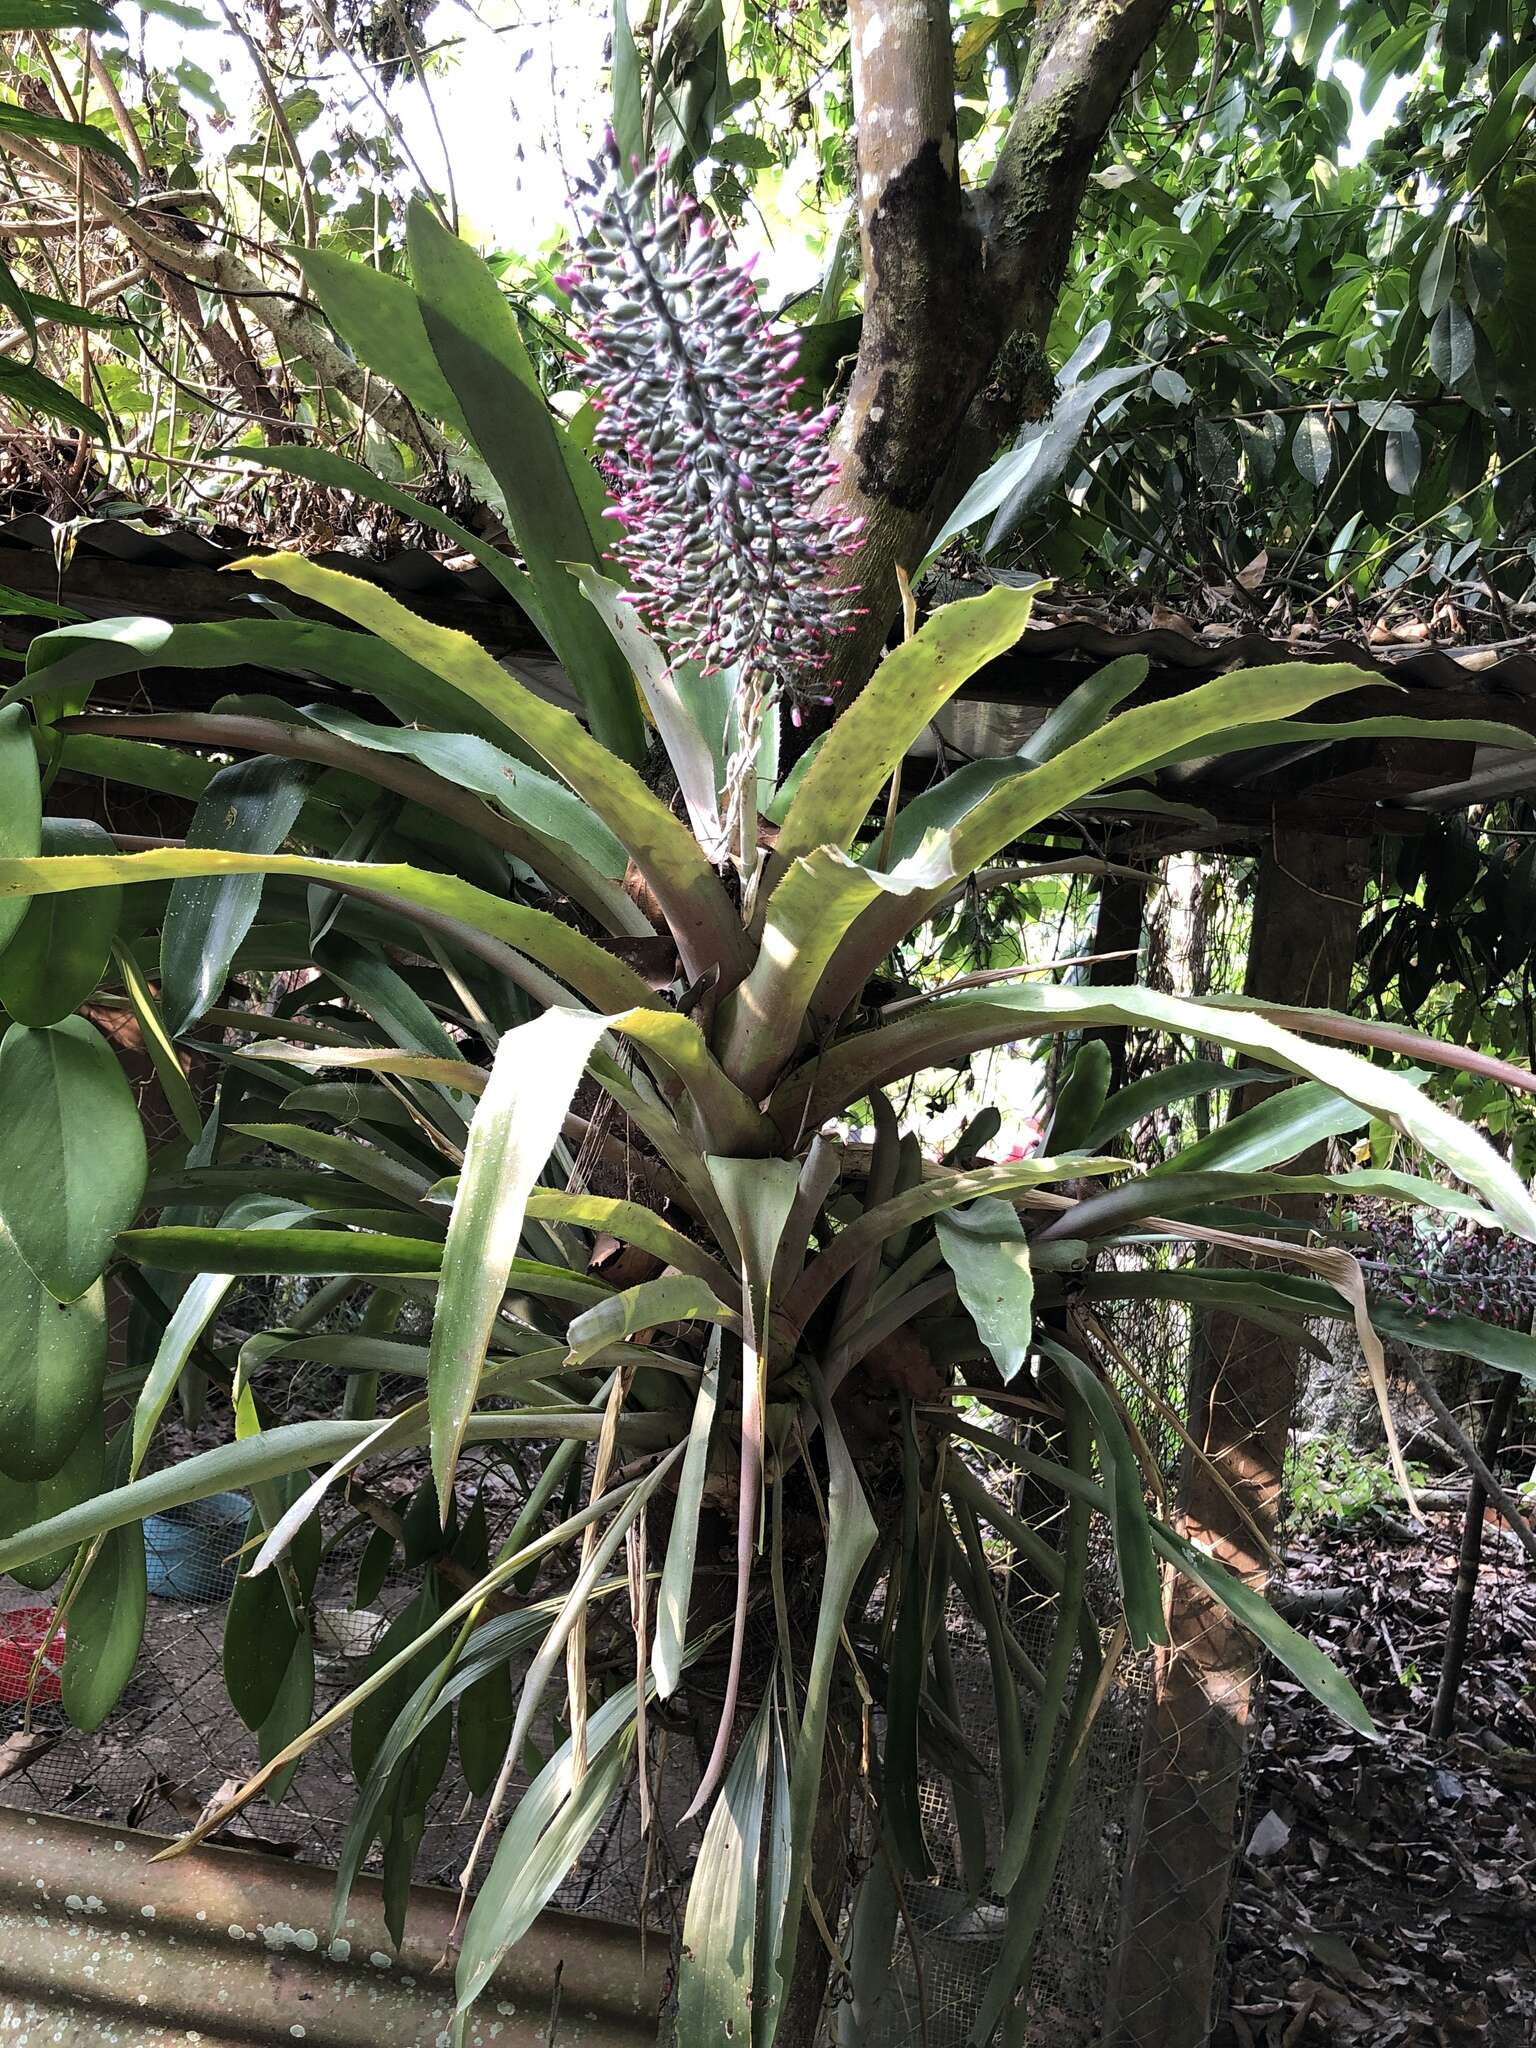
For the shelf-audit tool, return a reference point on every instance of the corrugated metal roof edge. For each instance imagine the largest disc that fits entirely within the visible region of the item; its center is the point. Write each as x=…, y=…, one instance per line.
x=1506, y=668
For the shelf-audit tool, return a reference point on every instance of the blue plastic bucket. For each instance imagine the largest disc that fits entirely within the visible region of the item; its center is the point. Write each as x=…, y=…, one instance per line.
x=189, y=1551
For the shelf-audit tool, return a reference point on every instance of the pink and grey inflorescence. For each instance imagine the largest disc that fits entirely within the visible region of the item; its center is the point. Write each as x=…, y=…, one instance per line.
x=720, y=480
x=1438, y=1266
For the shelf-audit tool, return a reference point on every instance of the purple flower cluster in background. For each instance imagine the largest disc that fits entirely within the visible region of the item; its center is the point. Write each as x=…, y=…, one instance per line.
x=719, y=480
x=1434, y=1265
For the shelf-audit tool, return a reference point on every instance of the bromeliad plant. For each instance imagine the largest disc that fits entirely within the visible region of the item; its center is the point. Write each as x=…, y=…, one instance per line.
x=549, y=1110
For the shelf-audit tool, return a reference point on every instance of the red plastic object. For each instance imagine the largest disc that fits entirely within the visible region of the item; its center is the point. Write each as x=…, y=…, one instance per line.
x=22, y=1631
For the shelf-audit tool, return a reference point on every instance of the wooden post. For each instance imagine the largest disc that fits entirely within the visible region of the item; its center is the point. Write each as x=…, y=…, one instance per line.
x=1242, y=1390
x=1468, y=1564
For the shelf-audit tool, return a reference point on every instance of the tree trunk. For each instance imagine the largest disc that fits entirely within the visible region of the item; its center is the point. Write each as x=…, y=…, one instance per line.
x=1242, y=1390
x=959, y=287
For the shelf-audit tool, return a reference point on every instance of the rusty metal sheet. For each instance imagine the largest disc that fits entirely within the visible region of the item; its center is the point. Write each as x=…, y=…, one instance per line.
x=100, y=1947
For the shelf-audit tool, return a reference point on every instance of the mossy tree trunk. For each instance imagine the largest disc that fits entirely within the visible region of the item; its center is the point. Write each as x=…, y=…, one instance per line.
x=959, y=286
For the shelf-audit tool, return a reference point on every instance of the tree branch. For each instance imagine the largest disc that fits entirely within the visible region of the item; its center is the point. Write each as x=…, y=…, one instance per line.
x=959, y=294
x=293, y=325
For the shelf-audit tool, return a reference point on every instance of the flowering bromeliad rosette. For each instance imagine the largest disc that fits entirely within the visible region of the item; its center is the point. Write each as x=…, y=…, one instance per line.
x=750, y=1396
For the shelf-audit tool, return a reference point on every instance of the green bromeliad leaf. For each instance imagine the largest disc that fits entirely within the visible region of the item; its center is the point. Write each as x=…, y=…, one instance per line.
x=984, y=1248
x=516, y=1123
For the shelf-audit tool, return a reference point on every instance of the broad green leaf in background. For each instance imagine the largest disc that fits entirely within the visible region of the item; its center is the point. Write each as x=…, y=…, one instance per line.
x=628, y=119
x=24, y=1502
x=106, y=1618
x=984, y=1248
x=1452, y=344
x=1312, y=449
x=57, y=954
x=516, y=1123
x=1023, y=474
x=56, y=14
x=1500, y=127
x=260, y=1632
x=55, y=1355
x=249, y=807
x=379, y=317
x=21, y=804
x=34, y=391
x=292, y=1711
x=72, y=1159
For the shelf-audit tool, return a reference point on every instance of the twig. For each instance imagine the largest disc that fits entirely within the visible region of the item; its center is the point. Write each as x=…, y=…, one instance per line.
x=1503, y=1500
x=280, y=121
x=408, y=37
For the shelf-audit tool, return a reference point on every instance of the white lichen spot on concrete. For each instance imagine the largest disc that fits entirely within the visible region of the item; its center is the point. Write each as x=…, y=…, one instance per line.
x=236, y=1931
x=297, y=2032
x=146, y=1912
x=380, y=1961
x=339, y=1949
x=74, y=1903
